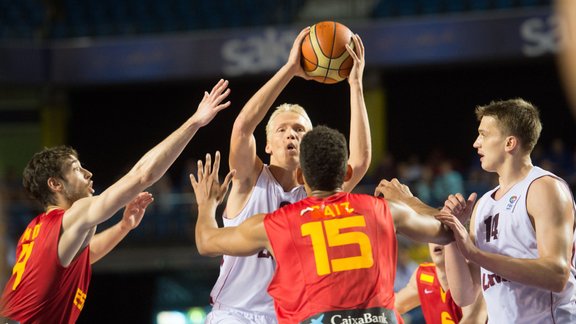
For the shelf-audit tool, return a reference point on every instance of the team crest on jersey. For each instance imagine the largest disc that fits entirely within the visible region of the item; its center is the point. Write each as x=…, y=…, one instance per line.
x=511, y=202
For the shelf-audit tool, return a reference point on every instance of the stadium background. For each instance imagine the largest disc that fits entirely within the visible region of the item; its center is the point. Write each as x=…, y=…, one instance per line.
x=112, y=78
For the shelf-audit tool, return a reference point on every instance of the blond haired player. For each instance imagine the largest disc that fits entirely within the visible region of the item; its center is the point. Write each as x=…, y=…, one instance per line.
x=239, y=295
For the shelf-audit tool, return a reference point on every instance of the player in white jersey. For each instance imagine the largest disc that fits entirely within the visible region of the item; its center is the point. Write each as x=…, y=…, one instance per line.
x=520, y=249
x=239, y=295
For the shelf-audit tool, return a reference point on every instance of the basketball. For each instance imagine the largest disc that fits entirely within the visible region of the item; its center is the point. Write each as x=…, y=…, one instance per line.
x=324, y=55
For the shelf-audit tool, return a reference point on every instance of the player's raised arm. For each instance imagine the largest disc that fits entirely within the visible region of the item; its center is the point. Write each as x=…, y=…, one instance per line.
x=360, y=143
x=84, y=214
x=246, y=239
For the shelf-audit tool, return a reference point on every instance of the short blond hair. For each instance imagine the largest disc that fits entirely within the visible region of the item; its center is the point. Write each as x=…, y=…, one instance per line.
x=286, y=107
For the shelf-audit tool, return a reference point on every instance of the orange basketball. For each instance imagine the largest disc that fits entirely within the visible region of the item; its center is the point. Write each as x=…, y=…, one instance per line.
x=324, y=55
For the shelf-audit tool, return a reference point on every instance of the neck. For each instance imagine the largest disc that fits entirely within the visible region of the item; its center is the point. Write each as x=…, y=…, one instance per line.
x=286, y=178
x=324, y=193
x=513, y=172
x=51, y=208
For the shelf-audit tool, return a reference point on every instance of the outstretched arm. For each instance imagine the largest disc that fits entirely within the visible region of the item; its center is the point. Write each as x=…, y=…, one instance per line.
x=103, y=242
x=411, y=216
x=80, y=220
x=246, y=239
x=243, y=156
x=360, y=141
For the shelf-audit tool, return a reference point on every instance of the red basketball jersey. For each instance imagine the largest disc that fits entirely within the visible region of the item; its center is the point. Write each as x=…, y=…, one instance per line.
x=40, y=290
x=437, y=305
x=337, y=253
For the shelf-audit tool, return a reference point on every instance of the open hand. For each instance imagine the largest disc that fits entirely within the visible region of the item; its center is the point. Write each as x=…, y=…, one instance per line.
x=460, y=207
x=208, y=188
x=134, y=210
x=211, y=103
x=357, y=55
x=461, y=235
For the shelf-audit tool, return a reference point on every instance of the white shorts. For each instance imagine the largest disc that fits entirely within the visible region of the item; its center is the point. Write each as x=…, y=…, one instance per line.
x=226, y=315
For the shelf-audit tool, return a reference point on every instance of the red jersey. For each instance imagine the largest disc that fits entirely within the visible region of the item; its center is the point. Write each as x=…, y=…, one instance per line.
x=437, y=305
x=40, y=290
x=333, y=254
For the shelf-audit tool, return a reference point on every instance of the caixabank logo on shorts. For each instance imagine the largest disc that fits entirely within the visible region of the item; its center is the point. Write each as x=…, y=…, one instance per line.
x=356, y=316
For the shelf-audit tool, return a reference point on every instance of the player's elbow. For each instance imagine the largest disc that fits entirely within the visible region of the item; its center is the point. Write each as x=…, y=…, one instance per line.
x=559, y=279
x=204, y=250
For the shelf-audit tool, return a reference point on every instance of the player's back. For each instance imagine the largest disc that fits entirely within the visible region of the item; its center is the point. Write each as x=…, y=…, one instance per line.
x=336, y=258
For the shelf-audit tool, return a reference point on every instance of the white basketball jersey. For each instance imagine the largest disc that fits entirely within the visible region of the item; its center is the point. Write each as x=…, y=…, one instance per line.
x=243, y=281
x=503, y=227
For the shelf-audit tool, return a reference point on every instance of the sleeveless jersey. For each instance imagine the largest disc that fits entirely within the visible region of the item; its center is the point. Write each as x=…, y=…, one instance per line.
x=40, y=290
x=503, y=227
x=243, y=281
x=336, y=253
x=437, y=305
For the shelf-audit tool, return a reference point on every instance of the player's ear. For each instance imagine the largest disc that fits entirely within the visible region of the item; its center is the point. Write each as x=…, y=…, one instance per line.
x=349, y=173
x=299, y=176
x=511, y=143
x=54, y=184
x=268, y=149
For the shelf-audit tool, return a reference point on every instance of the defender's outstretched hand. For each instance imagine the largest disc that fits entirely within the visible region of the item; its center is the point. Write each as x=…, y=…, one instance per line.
x=208, y=188
x=134, y=210
x=211, y=103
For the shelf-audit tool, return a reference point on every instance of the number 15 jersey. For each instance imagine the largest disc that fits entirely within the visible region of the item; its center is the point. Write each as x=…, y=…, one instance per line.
x=335, y=253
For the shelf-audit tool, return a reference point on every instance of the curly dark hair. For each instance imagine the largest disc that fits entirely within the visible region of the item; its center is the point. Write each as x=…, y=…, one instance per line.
x=324, y=158
x=46, y=164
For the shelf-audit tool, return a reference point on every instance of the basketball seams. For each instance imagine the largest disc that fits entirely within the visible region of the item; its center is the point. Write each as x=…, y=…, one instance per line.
x=325, y=40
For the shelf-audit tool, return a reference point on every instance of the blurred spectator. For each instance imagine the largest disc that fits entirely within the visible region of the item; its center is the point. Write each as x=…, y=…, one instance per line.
x=410, y=172
x=406, y=264
x=448, y=181
x=423, y=186
x=557, y=158
x=385, y=169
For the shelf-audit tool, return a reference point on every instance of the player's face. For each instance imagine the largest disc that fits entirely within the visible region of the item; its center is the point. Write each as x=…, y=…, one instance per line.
x=287, y=131
x=78, y=183
x=437, y=254
x=490, y=144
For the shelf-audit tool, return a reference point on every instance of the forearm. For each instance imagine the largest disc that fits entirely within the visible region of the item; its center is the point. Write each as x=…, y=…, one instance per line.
x=360, y=138
x=420, y=207
x=463, y=287
x=257, y=107
x=103, y=242
x=154, y=164
x=206, y=229
x=544, y=273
